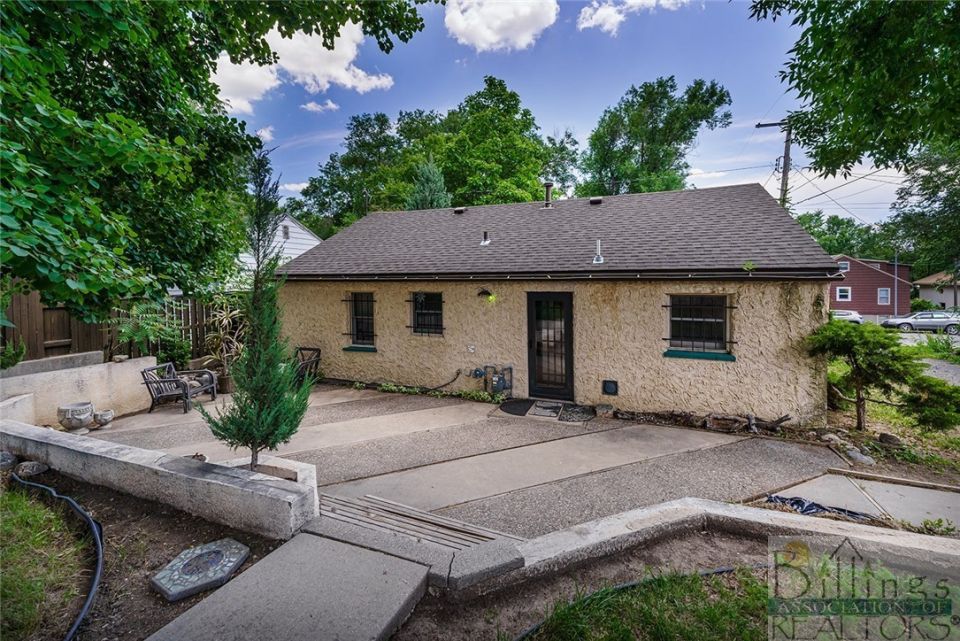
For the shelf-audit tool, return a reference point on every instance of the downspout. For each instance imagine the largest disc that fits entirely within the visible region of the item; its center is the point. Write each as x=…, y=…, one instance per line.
x=896, y=279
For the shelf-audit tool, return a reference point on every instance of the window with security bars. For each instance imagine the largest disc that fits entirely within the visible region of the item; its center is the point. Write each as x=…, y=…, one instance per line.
x=699, y=323
x=361, y=318
x=427, y=313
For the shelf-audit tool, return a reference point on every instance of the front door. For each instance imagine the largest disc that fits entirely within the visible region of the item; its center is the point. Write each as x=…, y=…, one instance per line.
x=550, y=344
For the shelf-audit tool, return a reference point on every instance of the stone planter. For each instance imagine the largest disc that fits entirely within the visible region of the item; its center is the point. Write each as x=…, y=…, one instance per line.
x=103, y=417
x=304, y=474
x=75, y=416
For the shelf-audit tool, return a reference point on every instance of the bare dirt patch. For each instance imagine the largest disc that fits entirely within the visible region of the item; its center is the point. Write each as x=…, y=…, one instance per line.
x=140, y=537
x=509, y=612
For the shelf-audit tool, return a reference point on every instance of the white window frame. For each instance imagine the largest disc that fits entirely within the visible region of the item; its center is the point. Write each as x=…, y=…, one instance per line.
x=849, y=293
x=844, y=265
x=879, y=299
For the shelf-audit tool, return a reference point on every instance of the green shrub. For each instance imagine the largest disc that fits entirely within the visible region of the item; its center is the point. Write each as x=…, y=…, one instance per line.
x=176, y=351
x=922, y=305
x=934, y=403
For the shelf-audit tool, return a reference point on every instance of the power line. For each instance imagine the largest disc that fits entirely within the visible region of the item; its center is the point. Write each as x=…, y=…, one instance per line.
x=814, y=185
x=837, y=187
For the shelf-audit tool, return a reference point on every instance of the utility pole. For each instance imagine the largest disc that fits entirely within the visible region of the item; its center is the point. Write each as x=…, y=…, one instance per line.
x=785, y=170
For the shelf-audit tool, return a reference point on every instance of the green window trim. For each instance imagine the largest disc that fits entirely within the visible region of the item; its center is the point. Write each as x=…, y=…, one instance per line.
x=359, y=348
x=707, y=356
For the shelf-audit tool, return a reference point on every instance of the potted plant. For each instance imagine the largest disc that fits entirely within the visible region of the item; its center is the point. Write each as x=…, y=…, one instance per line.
x=224, y=339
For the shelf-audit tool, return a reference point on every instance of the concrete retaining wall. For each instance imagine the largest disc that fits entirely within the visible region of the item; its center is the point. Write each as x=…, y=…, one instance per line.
x=239, y=498
x=53, y=363
x=18, y=408
x=116, y=386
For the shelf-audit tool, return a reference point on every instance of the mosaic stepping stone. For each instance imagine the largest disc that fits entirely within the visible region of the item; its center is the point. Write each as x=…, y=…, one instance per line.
x=546, y=408
x=201, y=568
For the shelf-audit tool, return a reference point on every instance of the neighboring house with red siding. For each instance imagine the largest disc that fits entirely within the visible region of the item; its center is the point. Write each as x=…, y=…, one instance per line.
x=877, y=289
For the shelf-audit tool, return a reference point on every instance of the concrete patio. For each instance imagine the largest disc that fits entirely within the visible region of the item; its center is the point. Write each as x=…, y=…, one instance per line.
x=521, y=475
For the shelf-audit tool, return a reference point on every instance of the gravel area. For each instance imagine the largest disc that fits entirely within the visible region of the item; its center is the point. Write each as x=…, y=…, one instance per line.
x=731, y=472
x=943, y=370
x=381, y=456
x=164, y=436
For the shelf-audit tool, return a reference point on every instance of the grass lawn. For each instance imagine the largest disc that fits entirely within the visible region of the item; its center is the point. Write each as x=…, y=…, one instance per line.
x=674, y=606
x=43, y=562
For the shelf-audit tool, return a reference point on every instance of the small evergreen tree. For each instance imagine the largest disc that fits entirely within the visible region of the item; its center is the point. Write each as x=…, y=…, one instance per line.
x=874, y=357
x=429, y=191
x=268, y=404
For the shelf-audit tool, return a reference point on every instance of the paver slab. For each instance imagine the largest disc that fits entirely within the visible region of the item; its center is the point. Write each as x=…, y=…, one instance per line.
x=913, y=504
x=833, y=490
x=444, y=484
x=308, y=588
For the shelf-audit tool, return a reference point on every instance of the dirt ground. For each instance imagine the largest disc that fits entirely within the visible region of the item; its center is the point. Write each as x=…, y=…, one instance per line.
x=140, y=537
x=511, y=611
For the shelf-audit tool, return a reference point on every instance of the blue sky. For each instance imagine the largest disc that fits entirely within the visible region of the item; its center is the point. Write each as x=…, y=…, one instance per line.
x=568, y=61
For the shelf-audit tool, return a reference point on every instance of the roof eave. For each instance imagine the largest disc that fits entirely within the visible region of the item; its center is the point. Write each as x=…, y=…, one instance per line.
x=729, y=274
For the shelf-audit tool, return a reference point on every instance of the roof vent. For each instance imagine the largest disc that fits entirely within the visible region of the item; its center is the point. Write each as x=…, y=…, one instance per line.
x=596, y=200
x=486, y=239
x=459, y=210
x=548, y=195
x=598, y=259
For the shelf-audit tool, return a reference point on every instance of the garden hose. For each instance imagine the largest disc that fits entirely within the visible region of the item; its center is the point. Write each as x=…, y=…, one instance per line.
x=97, y=532
x=529, y=632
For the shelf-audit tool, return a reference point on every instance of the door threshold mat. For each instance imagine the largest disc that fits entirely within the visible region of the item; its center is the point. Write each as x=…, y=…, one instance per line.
x=517, y=406
x=577, y=413
x=550, y=409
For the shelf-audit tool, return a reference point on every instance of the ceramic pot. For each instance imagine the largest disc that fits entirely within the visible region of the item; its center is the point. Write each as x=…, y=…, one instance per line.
x=102, y=417
x=74, y=416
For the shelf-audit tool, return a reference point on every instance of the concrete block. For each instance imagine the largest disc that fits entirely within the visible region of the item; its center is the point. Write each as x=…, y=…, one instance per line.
x=318, y=589
x=436, y=558
x=304, y=474
x=116, y=386
x=487, y=560
x=18, y=408
x=268, y=506
x=52, y=364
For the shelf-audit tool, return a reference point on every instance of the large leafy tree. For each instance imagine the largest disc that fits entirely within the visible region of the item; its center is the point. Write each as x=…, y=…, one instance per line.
x=877, y=78
x=641, y=144
x=927, y=213
x=120, y=173
x=839, y=235
x=562, y=156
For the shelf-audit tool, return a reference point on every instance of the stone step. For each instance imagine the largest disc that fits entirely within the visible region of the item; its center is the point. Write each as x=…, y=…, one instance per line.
x=308, y=588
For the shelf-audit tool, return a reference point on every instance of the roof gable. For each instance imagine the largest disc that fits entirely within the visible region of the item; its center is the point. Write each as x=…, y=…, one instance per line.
x=704, y=230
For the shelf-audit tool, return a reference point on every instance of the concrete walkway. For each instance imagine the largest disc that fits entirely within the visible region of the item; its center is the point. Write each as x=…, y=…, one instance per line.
x=308, y=588
x=444, y=484
x=878, y=498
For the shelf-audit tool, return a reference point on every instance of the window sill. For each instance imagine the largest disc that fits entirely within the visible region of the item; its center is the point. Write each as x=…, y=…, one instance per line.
x=706, y=356
x=359, y=348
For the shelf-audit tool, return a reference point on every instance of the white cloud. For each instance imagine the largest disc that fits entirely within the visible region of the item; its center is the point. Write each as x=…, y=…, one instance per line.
x=319, y=108
x=302, y=60
x=701, y=174
x=241, y=85
x=491, y=25
x=266, y=133
x=609, y=14
x=294, y=187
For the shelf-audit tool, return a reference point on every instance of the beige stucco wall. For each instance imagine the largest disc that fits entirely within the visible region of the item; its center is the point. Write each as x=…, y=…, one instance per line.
x=618, y=332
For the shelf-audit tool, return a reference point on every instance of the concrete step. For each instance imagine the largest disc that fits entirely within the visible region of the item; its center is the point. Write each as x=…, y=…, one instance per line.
x=458, y=554
x=308, y=588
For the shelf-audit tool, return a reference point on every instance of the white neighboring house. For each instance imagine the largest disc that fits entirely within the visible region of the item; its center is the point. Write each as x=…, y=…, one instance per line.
x=292, y=240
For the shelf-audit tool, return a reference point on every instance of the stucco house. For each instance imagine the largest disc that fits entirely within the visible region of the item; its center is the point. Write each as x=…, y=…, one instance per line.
x=941, y=289
x=693, y=300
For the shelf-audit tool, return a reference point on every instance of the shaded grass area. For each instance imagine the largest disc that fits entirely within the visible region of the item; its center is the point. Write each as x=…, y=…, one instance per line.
x=43, y=561
x=669, y=607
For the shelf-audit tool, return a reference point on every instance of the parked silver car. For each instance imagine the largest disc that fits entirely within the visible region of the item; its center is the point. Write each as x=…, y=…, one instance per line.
x=926, y=321
x=847, y=315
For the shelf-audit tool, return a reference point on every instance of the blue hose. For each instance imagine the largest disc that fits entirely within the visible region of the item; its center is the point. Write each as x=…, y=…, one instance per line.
x=529, y=632
x=97, y=532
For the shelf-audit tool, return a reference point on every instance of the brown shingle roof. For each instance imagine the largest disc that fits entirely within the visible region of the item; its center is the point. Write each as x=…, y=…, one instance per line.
x=940, y=278
x=703, y=231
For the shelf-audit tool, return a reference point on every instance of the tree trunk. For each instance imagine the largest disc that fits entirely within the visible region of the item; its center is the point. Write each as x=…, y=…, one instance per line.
x=254, y=455
x=861, y=410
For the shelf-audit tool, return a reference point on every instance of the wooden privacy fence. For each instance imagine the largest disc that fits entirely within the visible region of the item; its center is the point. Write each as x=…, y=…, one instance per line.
x=52, y=331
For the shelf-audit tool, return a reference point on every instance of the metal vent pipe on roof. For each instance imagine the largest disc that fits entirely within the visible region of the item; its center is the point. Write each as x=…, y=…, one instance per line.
x=548, y=195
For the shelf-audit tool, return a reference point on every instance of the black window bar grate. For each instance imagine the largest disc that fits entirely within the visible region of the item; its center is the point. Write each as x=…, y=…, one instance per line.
x=699, y=323
x=426, y=313
x=361, y=318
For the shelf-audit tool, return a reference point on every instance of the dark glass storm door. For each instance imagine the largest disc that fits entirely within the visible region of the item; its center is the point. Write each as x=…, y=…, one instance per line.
x=550, y=344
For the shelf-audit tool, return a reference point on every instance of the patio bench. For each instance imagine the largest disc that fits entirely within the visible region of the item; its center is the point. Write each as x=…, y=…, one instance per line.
x=165, y=383
x=308, y=364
